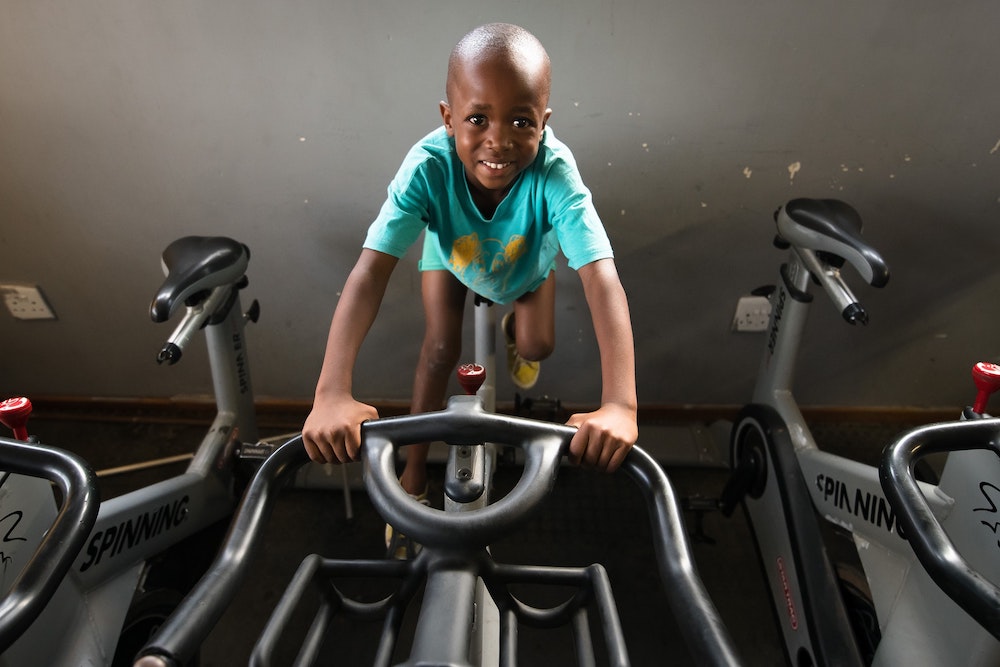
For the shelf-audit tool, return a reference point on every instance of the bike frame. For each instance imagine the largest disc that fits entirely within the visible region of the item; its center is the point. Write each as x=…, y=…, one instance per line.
x=919, y=624
x=89, y=607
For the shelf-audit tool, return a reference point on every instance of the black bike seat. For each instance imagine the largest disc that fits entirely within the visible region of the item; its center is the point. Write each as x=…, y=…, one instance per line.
x=832, y=226
x=194, y=264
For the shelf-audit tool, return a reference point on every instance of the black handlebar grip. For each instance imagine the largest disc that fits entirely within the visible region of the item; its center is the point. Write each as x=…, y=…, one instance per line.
x=855, y=314
x=170, y=353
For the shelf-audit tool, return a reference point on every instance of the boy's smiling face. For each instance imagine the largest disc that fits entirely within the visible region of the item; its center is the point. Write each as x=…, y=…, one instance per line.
x=496, y=111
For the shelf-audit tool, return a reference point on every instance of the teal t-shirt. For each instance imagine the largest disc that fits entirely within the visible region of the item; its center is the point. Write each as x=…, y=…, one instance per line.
x=548, y=209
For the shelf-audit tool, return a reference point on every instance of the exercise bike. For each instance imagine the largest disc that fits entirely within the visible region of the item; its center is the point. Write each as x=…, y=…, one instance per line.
x=792, y=491
x=453, y=564
x=86, y=583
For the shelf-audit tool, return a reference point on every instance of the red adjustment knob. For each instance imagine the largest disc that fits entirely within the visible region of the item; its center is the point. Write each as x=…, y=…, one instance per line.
x=471, y=377
x=14, y=415
x=987, y=379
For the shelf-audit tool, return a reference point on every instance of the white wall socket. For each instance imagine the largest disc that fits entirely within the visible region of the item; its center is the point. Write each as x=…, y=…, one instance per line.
x=26, y=302
x=753, y=313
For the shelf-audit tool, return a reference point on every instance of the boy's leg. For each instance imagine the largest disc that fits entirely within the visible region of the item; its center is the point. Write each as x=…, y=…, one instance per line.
x=444, y=306
x=530, y=332
x=534, y=321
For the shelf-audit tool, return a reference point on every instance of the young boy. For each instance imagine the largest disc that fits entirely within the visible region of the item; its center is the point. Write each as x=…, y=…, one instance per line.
x=497, y=197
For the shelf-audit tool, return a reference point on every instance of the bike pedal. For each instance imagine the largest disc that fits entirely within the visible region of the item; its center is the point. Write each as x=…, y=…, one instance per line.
x=700, y=505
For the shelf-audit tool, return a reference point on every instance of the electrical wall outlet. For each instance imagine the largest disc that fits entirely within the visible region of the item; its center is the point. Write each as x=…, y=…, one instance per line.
x=26, y=302
x=753, y=313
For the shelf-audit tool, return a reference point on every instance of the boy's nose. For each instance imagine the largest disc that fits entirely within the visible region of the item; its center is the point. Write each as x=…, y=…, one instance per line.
x=499, y=137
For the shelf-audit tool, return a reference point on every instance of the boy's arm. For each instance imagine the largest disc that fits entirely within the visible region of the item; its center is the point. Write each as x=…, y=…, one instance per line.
x=605, y=436
x=332, y=431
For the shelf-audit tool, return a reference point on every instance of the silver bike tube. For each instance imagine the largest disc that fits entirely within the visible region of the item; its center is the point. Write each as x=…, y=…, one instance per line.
x=229, y=361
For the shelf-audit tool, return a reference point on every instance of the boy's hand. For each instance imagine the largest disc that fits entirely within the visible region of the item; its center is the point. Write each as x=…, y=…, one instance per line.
x=603, y=437
x=332, y=432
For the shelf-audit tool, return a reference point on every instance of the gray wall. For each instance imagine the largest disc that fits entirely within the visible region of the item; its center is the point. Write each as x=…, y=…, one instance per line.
x=124, y=125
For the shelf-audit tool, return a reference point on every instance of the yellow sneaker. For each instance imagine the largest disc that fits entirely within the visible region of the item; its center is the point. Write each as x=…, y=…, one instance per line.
x=523, y=373
x=398, y=545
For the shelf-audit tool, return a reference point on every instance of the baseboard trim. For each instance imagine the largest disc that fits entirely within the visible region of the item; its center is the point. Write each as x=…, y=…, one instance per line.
x=290, y=413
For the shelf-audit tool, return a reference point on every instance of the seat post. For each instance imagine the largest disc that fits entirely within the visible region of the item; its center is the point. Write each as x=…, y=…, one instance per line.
x=486, y=350
x=470, y=467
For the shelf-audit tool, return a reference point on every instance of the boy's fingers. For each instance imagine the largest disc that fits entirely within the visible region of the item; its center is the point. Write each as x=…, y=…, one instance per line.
x=596, y=451
x=327, y=449
x=329, y=438
x=618, y=457
x=593, y=448
x=577, y=447
x=586, y=448
x=352, y=444
x=314, y=448
x=607, y=452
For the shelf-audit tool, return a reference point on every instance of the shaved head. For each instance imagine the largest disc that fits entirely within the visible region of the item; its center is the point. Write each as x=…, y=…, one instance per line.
x=502, y=42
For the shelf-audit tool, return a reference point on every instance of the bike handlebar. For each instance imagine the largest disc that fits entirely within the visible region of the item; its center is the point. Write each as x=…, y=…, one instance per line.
x=55, y=554
x=463, y=422
x=543, y=445
x=193, y=321
x=979, y=597
x=835, y=286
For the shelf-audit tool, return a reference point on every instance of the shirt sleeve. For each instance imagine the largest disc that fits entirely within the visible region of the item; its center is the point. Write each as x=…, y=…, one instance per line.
x=581, y=234
x=405, y=212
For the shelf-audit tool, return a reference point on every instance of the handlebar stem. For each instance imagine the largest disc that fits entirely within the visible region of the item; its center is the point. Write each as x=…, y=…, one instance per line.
x=193, y=321
x=833, y=283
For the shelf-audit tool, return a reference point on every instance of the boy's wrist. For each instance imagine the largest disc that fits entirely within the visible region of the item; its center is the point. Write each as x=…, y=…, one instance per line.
x=330, y=393
x=628, y=406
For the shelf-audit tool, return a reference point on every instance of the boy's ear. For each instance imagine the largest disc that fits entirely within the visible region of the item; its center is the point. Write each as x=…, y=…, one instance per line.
x=545, y=118
x=446, y=117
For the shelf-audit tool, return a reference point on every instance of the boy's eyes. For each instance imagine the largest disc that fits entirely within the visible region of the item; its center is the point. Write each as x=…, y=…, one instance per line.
x=481, y=120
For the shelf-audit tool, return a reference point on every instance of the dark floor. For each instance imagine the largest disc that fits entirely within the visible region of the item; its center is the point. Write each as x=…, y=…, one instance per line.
x=591, y=518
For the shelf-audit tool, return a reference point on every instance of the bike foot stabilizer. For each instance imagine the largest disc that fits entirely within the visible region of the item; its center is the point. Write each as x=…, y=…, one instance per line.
x=769, y=483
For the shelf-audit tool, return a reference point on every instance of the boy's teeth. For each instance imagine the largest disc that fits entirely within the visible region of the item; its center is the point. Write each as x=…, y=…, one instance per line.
x=496, y=165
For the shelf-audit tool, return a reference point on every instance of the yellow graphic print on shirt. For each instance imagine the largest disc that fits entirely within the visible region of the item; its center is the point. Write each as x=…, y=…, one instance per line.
x=511, y=252
x=465, y=252
x=470, y=257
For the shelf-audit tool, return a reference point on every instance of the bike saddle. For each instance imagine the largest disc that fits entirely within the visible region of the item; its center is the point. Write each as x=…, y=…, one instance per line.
x=194, y=264
x=832, y=226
